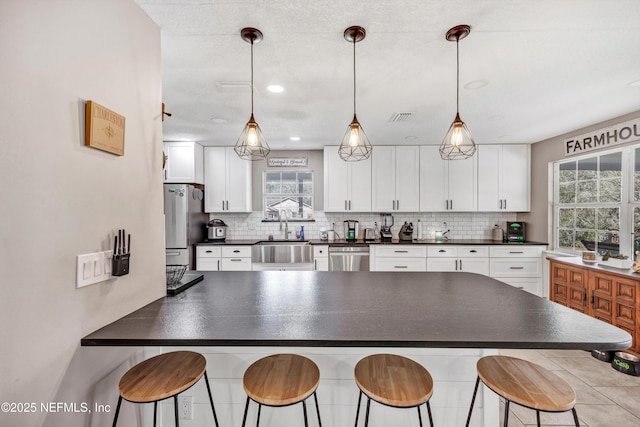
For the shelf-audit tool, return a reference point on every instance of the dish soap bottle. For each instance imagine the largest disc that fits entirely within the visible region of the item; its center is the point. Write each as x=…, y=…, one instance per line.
x=497, y=234
x=302, y=232
x=419, y=230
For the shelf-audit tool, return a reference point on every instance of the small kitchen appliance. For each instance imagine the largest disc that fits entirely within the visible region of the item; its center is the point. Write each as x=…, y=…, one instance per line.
x=406, y=232
x=516, y=232
x=385, y=229
x=216, y=230
x=351, y=230
x=369, y=234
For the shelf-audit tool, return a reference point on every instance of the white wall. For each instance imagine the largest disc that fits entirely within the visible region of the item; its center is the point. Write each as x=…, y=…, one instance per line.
x=60, y=198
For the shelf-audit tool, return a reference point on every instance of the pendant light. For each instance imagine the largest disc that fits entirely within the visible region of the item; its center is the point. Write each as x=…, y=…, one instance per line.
x=458, y=142
x=355, y=145
x=251, y=144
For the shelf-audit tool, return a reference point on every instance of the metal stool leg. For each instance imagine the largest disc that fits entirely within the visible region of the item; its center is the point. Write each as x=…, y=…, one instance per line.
x=538, y=418
x=419, y=415
x=357, y=410
x=366, y=417
x=206, y=380
x=155, y=413
x=473, y=399
x=429, y=411
x=575, y=417
x=259, y=410
x=315, y=397
x=175, y=409
x=304, y=410
x=246, y=409
x=115, y=418
x=506, y=413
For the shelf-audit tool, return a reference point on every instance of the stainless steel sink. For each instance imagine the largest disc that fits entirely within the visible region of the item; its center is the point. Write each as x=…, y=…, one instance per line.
x=282, y=252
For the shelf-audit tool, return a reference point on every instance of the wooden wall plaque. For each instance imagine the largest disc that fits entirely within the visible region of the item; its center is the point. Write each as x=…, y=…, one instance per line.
x=104, y=129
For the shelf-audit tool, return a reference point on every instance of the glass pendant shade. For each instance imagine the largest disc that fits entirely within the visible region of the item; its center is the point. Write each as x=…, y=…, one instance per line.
x=355, y=145
x=251, y=144
x=458, y=142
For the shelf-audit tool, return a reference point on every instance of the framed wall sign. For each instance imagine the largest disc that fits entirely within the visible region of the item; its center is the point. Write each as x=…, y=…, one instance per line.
x=286, y=162
x=104, y=129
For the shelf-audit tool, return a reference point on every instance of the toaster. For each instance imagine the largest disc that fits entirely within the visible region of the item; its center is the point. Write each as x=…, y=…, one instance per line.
x=369, y=234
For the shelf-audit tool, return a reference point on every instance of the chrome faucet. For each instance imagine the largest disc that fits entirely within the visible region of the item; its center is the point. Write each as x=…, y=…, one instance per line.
x=286, y=223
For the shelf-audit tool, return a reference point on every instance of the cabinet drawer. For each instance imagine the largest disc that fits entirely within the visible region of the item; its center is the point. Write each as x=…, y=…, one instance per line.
x=515, y=251
x=404, y=264
x=207, y=251
x=236, y=251
x=524, y=267
x=320, y=251
x=442, y=251
x=473, y=251
x=235, y=264
x=400, y=251
x=530, y=284
x=207, y=264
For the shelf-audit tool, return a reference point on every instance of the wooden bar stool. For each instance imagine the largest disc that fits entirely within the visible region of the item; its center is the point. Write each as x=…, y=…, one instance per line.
x=525, y=384
x=281, y=380
x=393, y=381
x=162, y=377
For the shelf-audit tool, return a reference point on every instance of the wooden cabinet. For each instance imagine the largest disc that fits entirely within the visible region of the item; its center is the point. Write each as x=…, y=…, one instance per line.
x=227, y=181
x=471, y=259
x=447, y=185
x=184, y=162
x=347, y=185
x=504, y=177
x=606, y=295
x=395, y=177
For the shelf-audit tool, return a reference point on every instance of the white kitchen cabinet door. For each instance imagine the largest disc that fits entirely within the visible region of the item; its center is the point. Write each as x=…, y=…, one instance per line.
x=321, y=264
x=347, y=185
x=395, y=176
x=474, y=265
x=447, y=185
x=184, y=162
x=441, y=264
x=227, y=181
x=504, y=178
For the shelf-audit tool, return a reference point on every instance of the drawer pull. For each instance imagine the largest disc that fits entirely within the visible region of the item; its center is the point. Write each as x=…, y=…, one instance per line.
x=237, y=251
x=473, y=251
x=442, y=250
x=516, y=268
x=208, y=252
x=401, y=252
x=400, y=266
x=516, y=252
x=235, y=260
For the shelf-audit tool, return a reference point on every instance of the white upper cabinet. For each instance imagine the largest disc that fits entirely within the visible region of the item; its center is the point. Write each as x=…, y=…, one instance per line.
x=227, y=181
x=447, y=185
x=184, y=162
x=395, y=176
x=504, y=182
x=347, y=185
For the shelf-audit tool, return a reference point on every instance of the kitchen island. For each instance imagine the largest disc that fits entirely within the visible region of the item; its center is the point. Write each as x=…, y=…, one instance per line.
x=445, y=321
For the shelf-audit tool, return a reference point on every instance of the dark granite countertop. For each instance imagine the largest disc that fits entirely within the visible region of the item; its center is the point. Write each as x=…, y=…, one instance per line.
x=364, y=309
x=342, y=242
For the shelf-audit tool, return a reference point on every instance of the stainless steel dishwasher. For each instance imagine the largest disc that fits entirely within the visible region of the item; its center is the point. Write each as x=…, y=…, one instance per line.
x=348, y=258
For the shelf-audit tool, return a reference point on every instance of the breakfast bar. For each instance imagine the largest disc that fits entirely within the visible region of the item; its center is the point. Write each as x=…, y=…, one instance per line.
x=445, y=321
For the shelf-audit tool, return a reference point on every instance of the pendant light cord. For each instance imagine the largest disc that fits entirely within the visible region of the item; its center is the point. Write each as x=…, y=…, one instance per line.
x=354, y=75
x=251, y=76
x=457, y=76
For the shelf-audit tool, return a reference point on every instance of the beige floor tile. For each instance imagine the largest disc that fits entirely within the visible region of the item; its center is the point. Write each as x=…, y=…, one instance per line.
x=532, y=356
x=513, y=419
x=584, y=392
x=565, y=353
x=613, y=416
x=627, y=397
x=528, y=416
x=595, y=372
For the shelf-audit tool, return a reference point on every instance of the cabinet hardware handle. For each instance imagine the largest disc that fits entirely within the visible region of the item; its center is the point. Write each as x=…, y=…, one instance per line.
x=235, y=259
x=456, y=265
x=223, y=205
x=315, y=264
x=400, y=252
x=236, y=251
x=473, y=251
x=451, y=204
x=460, y=265
x=500, y=203
x=505, y=203
x=393, y=202
x=442, y=250
x=165, y=174
x=516, y=268
x=345, y=205
x=227, y=205
x=400, y=266
x=349, y=204
x=516, y=252
x=173, y=253
x=398, y=204
x=208, y=252
x=218, y=265
x=593, y=298
x=584, y=297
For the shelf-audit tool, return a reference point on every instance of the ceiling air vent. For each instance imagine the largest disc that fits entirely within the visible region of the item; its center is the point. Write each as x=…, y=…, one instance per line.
x=400, y=117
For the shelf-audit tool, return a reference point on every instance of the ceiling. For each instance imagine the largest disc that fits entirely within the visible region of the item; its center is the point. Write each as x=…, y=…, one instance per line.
x=544, y=68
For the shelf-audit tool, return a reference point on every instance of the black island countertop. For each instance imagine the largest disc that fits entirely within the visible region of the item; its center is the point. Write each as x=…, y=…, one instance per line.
x=364, y=309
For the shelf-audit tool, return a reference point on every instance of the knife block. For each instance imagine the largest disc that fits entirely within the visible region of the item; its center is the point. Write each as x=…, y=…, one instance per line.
x=120, y=264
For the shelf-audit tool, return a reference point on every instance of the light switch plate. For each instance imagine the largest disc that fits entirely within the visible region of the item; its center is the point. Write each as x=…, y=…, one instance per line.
x=93, y=268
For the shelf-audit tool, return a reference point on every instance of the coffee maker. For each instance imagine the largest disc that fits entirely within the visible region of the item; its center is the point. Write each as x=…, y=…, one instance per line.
x=351, y=230
x=385, y=229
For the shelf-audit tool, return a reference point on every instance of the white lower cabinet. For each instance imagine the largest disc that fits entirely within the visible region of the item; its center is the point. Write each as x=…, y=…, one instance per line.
x=236, y=258
x=398, y=258
x=470, y=259
x=518, y=266
x=208, y=257
x=321, y=258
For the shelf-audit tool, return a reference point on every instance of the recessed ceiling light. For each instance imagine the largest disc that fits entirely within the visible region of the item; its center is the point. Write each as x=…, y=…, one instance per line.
x=635, y=84
x=294, y=138
x=476, y=84
x=219, y=120
x=275, y=88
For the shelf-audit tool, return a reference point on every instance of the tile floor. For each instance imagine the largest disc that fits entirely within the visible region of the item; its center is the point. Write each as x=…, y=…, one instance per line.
x=605, y=397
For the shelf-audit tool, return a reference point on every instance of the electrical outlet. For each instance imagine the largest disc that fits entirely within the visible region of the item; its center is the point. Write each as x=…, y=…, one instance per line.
x=185, y=407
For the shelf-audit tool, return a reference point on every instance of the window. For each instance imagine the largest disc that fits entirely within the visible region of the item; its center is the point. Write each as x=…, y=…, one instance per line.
x=590, y=204
x=288, y=192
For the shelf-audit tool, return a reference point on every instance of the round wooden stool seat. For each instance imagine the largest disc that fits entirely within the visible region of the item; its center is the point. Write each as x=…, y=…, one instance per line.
x=526, y=383
x=162, y=376
x=281, y=379
x=394, y=380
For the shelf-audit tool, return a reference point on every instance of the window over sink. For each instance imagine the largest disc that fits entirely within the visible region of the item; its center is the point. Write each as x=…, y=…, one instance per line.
x=288, y=194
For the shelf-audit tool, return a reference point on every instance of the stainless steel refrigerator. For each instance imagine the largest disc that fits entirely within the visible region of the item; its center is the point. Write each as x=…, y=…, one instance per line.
x=184, y=223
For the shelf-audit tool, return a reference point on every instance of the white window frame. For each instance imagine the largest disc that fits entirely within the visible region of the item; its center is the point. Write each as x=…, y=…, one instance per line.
x=265, y=195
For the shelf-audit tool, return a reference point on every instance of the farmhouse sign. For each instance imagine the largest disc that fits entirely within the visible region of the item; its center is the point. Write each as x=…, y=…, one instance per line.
x=286, y=162
x=601, y=138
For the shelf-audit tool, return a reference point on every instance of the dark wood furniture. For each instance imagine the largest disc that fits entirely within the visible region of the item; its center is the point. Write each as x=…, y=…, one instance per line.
x=607, y=294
